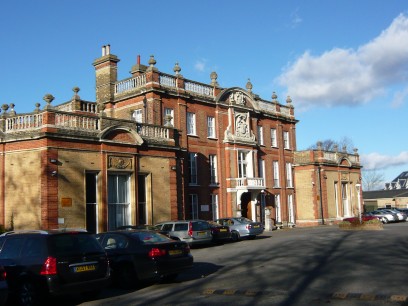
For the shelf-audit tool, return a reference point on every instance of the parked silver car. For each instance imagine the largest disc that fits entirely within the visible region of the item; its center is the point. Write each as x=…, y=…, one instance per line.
x=402, y=216
x=242, y=227
x=190, y=231
x=387, y=216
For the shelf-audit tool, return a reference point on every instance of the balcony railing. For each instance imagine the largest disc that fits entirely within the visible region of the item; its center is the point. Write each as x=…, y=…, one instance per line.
x=248, y=183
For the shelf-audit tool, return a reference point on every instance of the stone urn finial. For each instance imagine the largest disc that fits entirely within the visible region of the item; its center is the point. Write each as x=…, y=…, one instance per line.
x=37, y=107
x=76, y=90
x=4, y=107
x=177, y=69
x=274, y=97
x=12, y=111
x=214, y=77
x=48, y=98
x=249, y=86
x=289, y=101
x=152, y=61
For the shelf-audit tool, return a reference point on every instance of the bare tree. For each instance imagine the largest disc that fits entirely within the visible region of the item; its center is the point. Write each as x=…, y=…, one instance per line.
x=372, y=180
x=330, y=145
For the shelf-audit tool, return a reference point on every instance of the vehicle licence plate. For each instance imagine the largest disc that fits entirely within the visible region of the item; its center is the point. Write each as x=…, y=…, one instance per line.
x=84, y=268
x=175, y=252
x=256, y=226
x=201, y=234
x=223, y=230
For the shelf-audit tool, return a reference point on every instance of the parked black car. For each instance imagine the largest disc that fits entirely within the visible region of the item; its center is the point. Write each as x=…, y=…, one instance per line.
x=220, y=233
x=42, y=263
x=3, y=286
x=146, y=227
x=144, y=255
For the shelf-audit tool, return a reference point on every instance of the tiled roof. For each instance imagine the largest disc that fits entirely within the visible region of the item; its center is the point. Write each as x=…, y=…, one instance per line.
x=383, y=194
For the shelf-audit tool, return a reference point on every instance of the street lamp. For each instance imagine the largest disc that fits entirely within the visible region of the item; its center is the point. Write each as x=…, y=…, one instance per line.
x=358, y=188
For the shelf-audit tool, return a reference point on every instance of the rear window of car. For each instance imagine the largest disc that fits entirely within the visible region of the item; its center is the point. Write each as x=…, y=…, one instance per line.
x=12, y=248
x=181, y=227
x=150, y=237
x=68, y=244
x=200, y=225
x=244, y=220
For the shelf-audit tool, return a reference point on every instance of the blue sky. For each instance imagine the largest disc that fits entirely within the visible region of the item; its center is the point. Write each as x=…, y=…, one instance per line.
x=343, y=62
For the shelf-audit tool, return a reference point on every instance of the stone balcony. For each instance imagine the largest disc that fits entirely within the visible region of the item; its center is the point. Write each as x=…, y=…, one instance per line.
x=247, y=183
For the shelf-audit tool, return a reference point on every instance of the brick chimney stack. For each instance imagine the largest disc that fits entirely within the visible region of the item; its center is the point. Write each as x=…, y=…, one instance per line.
x=106, y=75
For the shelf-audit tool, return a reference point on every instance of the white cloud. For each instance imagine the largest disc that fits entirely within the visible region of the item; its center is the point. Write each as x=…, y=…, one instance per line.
x=348, y=76
x=399, y=98
x=379, y=161
x=295, y=19
x=200, y=65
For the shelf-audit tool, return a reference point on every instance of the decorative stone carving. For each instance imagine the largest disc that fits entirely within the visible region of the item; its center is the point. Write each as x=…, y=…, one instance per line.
x=237, y=97
x=241, y=125
x=120, y=162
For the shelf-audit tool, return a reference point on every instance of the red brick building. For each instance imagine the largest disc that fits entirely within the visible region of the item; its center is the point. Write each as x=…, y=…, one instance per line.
x=152, y=147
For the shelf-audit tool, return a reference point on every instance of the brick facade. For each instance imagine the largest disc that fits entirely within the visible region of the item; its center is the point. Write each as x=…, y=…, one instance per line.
x=90, y=165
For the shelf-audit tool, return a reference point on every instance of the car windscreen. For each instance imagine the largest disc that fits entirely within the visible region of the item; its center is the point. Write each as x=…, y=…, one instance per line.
x=75, y=243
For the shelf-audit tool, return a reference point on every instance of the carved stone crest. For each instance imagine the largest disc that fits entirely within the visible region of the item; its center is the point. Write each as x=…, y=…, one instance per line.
x=241, y=125
x=120, y=162
x=237, y=97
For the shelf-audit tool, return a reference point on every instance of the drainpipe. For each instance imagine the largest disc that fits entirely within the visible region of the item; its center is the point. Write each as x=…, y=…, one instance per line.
x=319, y=177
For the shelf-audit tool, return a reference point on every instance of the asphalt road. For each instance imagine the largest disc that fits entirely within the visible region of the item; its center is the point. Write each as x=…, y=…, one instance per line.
x=300, y=266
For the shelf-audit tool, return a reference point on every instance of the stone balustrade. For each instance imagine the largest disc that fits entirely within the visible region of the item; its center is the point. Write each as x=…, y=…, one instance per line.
x=153, y=131
x=72, y=121
x=23, y=123
x=130, y=84
x=167, y=81
x=76, y=122
x=199, y=88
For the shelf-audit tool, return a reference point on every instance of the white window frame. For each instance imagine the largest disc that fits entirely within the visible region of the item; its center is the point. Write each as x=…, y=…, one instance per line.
x=286, y=140
x=345, y=200
x=211, y=127
x=260, y=135
x=193, y=168
x=336, y=198
x=169, y=111
x=137, y=115
x=276, y=180
x=194, y=205
x=242, y=163
x=191, y=123
x=278, y=214
x=289, y=176
x=261, y=168
x=213, y=169
x=117, y=208
x=291, y=211
x=214, y=204
x=274, y=139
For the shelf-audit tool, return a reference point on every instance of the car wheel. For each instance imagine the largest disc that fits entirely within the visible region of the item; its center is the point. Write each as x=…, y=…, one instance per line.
x=235, y=236
x=385, y=220
x=27, y=294
x=126, y=277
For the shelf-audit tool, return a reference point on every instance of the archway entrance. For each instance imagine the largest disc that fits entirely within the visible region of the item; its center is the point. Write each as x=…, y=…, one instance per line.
x=246, y=207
